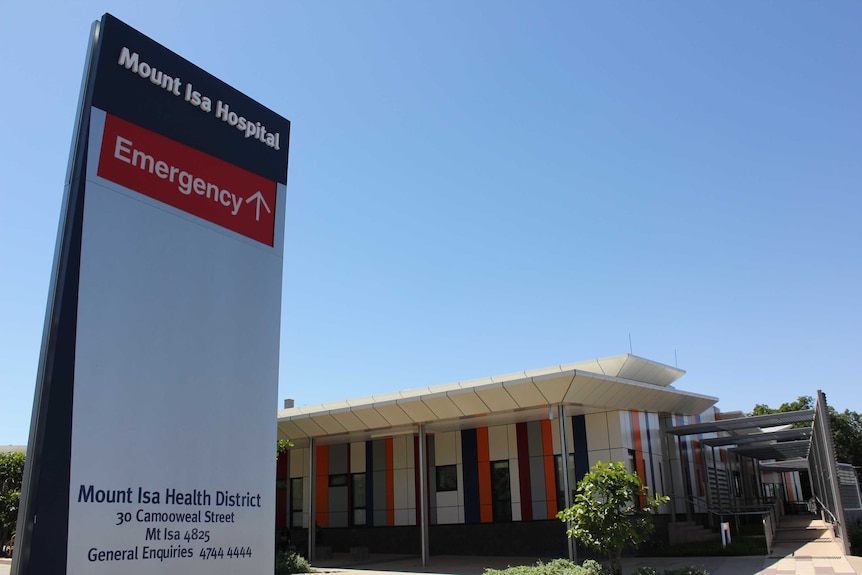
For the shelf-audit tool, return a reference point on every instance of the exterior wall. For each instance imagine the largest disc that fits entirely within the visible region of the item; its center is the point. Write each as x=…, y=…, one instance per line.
x=532, y=451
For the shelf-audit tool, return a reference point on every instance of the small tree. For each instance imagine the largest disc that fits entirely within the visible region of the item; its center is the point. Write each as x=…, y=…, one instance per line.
x=281, y=446
x=612, y=511
x=11, y=474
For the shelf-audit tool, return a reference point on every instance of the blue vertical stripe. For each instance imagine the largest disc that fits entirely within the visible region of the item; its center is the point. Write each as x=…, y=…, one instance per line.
x=470, y=459
x=582, y=454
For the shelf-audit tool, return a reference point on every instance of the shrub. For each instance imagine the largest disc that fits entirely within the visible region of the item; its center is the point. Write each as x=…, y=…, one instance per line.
x=686, y=571
x=289, y=563
x=647, y=570
x=555, y=567
x=739, y=546
x=612, y=511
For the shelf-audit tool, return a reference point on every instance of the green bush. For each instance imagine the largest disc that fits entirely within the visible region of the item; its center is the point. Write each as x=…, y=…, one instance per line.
x=686, y=571
x=739, y=546
x=555, y=567
x=289, y=563
x=647, y=570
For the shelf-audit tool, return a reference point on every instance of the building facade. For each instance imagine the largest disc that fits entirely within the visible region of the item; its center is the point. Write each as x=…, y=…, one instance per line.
x=481, y=467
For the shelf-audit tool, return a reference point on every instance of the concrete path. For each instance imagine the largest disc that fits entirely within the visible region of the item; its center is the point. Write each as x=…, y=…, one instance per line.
x=803, y=546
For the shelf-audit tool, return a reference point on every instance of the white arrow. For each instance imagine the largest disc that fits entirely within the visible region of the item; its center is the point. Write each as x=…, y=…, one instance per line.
x=259, y=197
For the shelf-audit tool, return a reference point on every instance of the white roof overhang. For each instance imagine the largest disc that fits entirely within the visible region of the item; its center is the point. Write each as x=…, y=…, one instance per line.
x=586, y=387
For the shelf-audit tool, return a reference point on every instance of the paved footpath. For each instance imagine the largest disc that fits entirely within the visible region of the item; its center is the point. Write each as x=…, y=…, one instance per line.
x=796, y=564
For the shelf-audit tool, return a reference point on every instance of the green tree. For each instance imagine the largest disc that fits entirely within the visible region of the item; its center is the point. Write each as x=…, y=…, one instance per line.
x=802, y=403
x=11, y=474
x=612, y=511
x=282, y=445
x=846, y=427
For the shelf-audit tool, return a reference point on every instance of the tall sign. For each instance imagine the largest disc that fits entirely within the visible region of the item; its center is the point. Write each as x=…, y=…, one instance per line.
x=152, y=440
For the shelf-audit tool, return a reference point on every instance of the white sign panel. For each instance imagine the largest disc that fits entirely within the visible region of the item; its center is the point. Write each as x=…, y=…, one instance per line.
x=179, y=232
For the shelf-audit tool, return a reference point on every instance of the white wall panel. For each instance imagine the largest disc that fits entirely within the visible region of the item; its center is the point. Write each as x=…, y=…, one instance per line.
x=357, y=457
x=555, y=435
x=515, y=483
x=446, y=448
x=597, y=431
x=498, y=442
x=512, y=431
x=298, y=462
x=615, y=435
x=597, y=455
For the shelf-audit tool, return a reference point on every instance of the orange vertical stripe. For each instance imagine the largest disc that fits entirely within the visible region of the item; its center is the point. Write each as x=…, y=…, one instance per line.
x=321, y=485
x=486, y=508
x=390, y=483
x=550, y=469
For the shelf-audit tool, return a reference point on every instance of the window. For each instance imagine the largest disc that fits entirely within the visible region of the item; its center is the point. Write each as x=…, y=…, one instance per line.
x=359, y=517
x=573, y=482
x=447, y=478
x=338, y=480
x=501, y=491
x=296, y=502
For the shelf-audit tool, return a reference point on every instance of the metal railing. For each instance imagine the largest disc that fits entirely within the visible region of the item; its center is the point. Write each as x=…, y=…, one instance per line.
x=770, y=512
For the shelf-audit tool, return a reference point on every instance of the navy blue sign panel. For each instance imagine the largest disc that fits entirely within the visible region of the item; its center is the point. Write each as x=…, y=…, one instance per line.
x=185, y=103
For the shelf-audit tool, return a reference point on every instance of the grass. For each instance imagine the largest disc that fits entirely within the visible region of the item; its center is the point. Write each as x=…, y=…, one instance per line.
x=752, y=545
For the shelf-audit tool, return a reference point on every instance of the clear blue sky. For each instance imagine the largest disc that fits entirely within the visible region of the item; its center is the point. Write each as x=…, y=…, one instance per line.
x=483, y=187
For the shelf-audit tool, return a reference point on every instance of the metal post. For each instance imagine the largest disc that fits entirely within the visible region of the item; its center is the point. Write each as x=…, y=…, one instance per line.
x=683, y=467
x=667, y=462
x=567, y=480
x=715, y=476
x=832, y=464
x=423, y=495
x=312, y=523
x=759, y=477
x=705, y=466
x=728, y=476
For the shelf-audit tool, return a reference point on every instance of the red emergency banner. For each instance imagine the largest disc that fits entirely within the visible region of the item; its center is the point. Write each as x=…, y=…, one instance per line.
x=188, y=179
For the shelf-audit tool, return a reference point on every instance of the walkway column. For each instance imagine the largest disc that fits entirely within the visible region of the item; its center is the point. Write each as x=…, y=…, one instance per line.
x=567, y=480
x=423, y=512
x=667, y=462
x=715, y=476
x=705, y=465
x=312, y=523
x=758, y=476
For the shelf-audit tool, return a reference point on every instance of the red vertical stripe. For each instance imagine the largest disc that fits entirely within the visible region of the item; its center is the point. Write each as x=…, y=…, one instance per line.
x=283, y=476
x=486, y=508
x=524, y=472
x=637, y=439
x=321, y=485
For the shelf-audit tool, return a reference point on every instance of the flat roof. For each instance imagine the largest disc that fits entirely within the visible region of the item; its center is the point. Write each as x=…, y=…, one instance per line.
x=625, y=382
